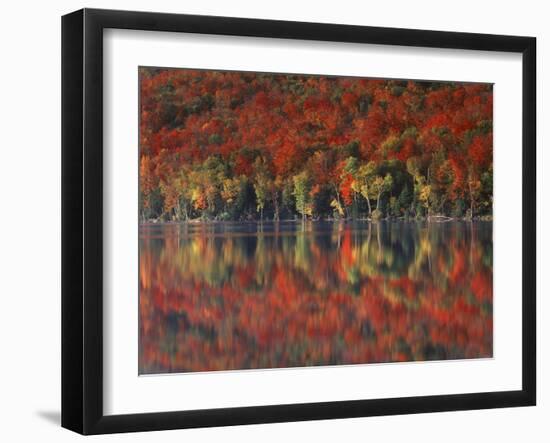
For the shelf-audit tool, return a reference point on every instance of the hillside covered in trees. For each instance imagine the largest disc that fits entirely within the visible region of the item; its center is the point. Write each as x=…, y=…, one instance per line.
x=240, y=145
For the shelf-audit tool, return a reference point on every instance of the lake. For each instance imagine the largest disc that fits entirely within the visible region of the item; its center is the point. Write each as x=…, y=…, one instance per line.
x=225, y=296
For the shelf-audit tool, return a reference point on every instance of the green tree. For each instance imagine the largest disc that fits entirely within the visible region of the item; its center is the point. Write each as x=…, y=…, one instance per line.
x=365, y=180
x=233, y=194
x=263, y=185
x=405, y=199
x=421, y=194
x=380, y=185
x=302, y=193
x=474, y=190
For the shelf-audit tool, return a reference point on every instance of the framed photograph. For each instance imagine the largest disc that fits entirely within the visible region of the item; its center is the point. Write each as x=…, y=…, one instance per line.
x=269, y=221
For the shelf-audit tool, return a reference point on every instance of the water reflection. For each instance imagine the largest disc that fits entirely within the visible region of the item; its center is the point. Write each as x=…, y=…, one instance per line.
x=222, y=296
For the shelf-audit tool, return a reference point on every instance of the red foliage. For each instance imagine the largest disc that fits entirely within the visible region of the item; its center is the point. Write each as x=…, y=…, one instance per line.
x=188, y=115
x=346, y=189
x=481, y=150
x=232, y=308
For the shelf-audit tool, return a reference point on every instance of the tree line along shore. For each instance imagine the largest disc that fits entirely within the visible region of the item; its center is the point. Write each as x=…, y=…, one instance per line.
x=249, y=146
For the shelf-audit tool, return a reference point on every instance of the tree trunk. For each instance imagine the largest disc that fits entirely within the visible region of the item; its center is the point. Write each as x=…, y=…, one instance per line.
x=276, y=207
x=368, y=204
x=337, y=195
x=185, y=213
x=471, y=201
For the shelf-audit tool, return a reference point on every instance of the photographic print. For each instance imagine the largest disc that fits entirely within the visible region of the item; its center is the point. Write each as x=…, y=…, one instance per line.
x=291, y=220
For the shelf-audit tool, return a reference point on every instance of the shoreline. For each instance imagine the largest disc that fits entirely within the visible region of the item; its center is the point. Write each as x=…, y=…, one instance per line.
x=432, y=219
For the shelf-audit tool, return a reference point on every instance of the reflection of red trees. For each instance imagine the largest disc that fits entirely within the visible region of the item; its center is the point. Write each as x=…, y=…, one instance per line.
x=208, y=305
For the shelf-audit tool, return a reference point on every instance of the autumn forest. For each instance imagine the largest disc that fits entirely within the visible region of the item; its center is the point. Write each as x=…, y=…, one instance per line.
x=236, y=146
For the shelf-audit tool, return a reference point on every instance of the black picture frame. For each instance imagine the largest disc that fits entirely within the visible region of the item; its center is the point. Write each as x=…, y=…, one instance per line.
x=82, y=220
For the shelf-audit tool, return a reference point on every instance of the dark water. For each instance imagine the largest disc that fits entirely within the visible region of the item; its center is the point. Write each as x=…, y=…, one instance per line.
x=220, y=296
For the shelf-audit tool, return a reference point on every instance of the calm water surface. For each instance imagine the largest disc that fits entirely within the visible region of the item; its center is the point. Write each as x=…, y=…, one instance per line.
x=221, y=296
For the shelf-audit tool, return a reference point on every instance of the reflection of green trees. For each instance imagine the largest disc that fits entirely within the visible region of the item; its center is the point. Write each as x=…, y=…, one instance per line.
x=344, y=254
x=228, y=296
